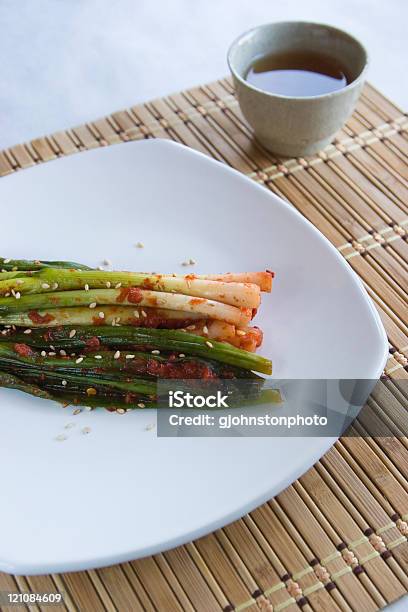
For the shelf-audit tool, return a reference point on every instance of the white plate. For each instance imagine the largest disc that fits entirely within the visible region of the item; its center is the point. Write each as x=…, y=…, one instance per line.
x=120, y=492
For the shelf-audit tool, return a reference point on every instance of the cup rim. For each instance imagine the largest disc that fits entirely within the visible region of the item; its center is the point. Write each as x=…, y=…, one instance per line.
x=262, y=26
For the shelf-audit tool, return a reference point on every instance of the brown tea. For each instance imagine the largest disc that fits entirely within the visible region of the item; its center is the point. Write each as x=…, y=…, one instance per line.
x=297, y=73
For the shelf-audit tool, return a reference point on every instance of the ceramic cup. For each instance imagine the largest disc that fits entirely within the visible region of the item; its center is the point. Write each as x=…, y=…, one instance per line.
x=295, y=126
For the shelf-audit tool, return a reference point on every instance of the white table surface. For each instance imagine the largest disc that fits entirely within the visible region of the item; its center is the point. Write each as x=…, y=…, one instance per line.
x=66, y=62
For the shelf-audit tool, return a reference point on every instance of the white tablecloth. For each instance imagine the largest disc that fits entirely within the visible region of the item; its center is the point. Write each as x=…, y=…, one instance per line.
x=64, y=62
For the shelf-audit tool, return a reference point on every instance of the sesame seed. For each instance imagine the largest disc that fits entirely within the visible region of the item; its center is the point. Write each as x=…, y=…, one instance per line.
x=52, y=347
x=205, y=329
x=7, y=294
x=6, y=261
x=182, y=355
x=73, y=354
x=120, y=410
x=86, y=287
x=101, y=315
x=4, y=332
x=140, y=245
x=55, y=285
x=43, y=354
x=77, y=411
x=27, y=331
x=45, y=286
x=64, y=383
x=72, y=333
x=108, y=284
x=118, y=285
x=13, y=293
x=209, y=344
x=63, y=353
x=79, y=360
x=61, y=438
x=89, y=408
x=141, y=405
x=116, y=355
x=240, y=332
x=136, y=313
x=155, y=352
x=17, y=295
x=69, y=425
x=92, y=305
x=52, y=354
x=144, y=314
x=130, y=356
x=86, y=430
x=98, y=357
x=190, y=327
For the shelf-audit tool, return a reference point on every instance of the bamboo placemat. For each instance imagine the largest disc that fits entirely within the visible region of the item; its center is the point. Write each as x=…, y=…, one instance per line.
x=337, y=538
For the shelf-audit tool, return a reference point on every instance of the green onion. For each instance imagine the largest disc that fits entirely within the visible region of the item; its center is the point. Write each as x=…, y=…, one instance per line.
x=146, y=338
